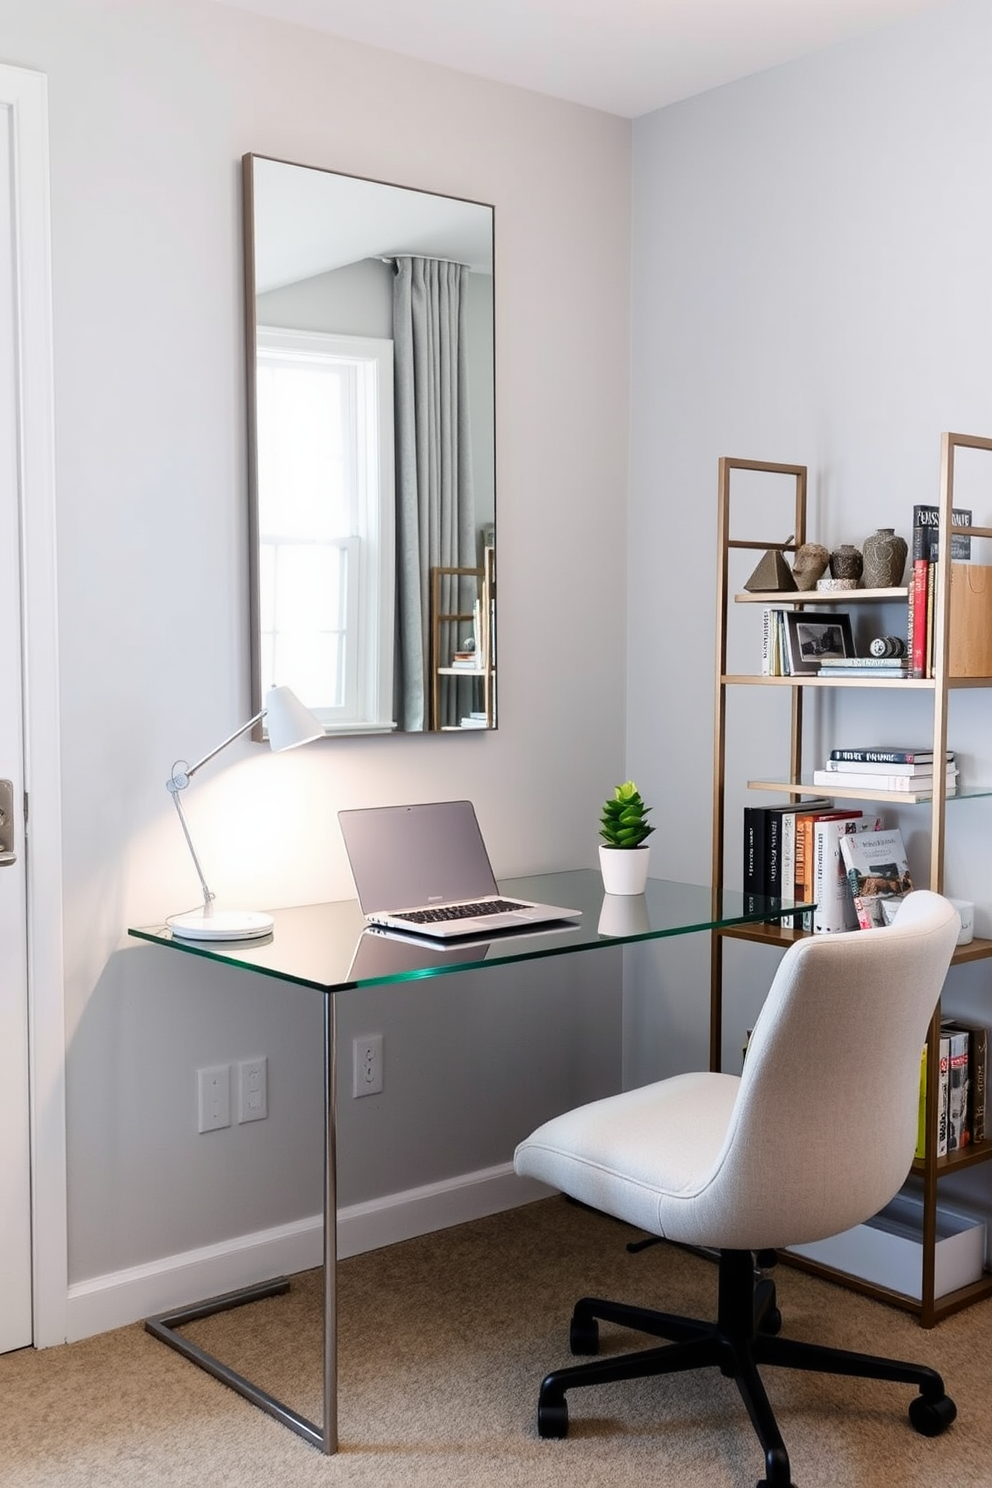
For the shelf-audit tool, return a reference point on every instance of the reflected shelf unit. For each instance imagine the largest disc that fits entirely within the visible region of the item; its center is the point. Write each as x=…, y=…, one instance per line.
x=447, y=621
x=936, y=804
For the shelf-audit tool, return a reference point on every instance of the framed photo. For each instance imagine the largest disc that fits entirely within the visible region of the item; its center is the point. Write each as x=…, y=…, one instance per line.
x=813, y=639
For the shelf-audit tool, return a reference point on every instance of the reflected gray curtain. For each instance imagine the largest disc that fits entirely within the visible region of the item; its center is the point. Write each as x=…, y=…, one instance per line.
x=435, y=517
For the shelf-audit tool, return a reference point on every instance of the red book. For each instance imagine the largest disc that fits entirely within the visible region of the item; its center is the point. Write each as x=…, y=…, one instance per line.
x=918, y=639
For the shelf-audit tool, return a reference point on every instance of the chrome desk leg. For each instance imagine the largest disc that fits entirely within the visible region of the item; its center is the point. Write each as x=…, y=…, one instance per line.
x=164, y=1326
x=330, y=1442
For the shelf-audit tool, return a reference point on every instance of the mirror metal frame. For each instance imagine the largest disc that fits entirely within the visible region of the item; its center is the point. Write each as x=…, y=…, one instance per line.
x=251, y=404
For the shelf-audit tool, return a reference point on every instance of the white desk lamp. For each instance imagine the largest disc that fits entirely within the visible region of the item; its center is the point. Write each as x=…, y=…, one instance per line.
x=290, y=724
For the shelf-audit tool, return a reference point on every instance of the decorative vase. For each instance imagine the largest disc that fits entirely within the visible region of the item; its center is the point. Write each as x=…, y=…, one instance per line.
x=624, y=869
x=884, y=559
x=810, y=564
x=846, y=562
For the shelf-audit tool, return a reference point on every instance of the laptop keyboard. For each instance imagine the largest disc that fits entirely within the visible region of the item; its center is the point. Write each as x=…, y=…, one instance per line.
x=459, y=911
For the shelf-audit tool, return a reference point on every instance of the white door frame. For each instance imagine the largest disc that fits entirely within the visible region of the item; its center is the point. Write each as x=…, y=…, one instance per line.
x=24, y=94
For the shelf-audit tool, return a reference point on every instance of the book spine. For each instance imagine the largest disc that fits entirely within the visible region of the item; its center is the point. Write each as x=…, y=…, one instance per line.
x=979, y=1081
x=918, y=635
x=766, y=643
x=834, y=902
x=804, y=866
x=942, y=1094
x=788, y=858
x=754, y=856
x=931, y=582
x=958, y=1133
x=773, y=854
x=883, y=756
x=921, y=1122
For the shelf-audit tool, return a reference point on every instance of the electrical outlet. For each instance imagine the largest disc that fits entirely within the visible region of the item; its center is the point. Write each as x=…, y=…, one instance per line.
x=253, y=1089
x=367, y=1064
x=213, y=1091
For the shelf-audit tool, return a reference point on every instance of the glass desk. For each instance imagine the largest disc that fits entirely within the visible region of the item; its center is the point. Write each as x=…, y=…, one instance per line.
x=325, y=947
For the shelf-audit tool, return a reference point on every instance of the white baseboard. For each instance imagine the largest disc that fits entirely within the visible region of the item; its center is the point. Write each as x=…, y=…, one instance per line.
x=123, y=1297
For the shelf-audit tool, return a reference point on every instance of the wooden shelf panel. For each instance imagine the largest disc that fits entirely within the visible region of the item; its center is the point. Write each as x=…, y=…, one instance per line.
x=944, y=1306
x=746, y=679
x=971, y=1156
x=866, y=793
x=920, y=684
x=782, y=936
x=783, y=597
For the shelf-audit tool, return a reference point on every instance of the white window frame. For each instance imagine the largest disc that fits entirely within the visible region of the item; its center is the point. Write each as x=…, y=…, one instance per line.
x=368, y=703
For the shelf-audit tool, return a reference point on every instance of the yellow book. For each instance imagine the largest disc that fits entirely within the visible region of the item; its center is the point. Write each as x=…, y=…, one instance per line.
x=921, y=1129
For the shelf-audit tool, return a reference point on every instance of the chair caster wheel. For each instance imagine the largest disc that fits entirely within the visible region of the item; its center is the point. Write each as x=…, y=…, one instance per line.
x=583, y=1335
x=552, y=1420
x=931, y=1417
x=771, y=1323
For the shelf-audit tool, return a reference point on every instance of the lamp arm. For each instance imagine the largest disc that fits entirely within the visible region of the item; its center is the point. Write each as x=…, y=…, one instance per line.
x=179, y=780
x=189, y=770
x=208, y=894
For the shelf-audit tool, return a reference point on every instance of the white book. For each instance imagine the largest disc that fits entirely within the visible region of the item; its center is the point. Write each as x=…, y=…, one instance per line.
x=943, y=1093
x=838, y=782
x=886, y=767
x=877, y=869
x=835, y=909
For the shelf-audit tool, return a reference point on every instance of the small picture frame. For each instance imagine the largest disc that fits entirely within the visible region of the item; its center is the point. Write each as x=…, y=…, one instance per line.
x=814, y=639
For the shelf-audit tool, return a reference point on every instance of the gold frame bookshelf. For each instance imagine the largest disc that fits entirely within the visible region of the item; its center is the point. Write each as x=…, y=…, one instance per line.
x=928, y=1307
x=442, y=619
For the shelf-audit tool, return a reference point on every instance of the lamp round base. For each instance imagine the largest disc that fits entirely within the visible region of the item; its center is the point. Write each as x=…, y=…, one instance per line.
x=223, y=924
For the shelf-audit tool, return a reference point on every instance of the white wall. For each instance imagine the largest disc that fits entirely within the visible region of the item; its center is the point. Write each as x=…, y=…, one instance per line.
x=153, y=103
x=811, y=285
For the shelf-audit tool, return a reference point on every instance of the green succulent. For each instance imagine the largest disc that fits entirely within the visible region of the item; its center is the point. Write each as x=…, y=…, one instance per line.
x=624, y=819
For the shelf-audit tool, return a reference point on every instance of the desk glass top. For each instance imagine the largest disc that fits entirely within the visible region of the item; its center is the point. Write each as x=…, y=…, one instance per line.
x=325, y=946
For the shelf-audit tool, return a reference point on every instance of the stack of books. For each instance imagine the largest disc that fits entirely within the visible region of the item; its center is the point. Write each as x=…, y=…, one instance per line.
x=926, y=528
x=865, y=666
x=909, y=771
x=962, y=1073
x=465, y=661
x=792, y=855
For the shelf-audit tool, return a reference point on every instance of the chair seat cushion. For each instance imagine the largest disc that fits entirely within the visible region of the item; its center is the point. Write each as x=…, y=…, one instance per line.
x=631, y=1154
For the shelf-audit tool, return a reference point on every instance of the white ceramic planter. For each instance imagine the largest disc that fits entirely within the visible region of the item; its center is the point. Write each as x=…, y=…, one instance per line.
x=624, y=914
x=624, y=869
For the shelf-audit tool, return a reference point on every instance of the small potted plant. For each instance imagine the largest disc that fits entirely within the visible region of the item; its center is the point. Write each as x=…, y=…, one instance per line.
x=624, y=852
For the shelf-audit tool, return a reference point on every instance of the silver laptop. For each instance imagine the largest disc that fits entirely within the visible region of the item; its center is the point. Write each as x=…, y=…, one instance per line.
x=425, y=869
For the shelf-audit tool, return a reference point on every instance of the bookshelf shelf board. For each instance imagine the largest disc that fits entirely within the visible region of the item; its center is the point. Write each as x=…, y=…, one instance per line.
x=968, y=1157
x=865, y=793
x=923, y=684
x=780, y=935
x=783, y=936
x=975, y=950
x=819, y=596
x=943, y=1307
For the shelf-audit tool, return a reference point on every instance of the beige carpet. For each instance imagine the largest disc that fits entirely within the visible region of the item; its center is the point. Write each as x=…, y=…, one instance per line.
x=444, y=1341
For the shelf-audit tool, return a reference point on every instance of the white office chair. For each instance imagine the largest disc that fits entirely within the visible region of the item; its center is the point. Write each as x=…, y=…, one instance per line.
x=817, y=1135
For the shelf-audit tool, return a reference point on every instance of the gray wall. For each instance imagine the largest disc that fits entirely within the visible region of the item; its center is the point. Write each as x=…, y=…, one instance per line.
x=152, y=106
x=811, y=285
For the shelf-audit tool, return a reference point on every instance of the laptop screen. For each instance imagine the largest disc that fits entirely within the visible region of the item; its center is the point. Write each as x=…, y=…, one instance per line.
x=405, y=856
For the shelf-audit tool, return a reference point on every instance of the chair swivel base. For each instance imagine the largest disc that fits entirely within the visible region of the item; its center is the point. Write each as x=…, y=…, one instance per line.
x=743, y=1336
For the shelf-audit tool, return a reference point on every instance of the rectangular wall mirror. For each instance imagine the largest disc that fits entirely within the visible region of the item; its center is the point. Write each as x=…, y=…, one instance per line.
x=371, y=444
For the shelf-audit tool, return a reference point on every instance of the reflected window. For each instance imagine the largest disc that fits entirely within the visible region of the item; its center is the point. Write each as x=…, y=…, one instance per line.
x=325, y=517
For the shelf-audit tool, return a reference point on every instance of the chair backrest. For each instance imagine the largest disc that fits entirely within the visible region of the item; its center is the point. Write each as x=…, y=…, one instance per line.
x=825, y=1121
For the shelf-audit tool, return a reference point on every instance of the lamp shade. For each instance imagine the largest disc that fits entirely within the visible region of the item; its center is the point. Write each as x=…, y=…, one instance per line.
x=289, y=722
